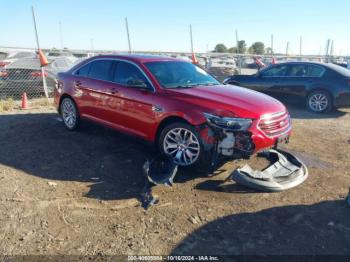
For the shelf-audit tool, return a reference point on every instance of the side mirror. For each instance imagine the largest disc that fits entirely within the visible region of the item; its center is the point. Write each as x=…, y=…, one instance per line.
x=138, y=83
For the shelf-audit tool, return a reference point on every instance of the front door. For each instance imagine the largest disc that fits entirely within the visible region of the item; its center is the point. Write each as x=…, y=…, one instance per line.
x=133, y=96
x=273, y=80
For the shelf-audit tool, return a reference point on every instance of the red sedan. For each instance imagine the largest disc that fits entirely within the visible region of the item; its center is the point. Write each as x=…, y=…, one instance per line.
x=176, y=105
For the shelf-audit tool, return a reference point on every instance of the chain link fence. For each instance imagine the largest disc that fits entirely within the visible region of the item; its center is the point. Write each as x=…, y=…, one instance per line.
x=21, y=72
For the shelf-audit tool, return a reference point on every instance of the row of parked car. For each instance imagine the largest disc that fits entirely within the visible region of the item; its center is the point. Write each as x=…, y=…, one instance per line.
x=20, y=71
x=320, y=86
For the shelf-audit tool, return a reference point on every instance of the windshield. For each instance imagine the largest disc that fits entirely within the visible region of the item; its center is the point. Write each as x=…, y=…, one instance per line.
x=176, y=74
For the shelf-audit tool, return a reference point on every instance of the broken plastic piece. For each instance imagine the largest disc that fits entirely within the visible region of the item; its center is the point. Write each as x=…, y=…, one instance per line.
x=284, y=173
x=160, y=170
x=147, y=198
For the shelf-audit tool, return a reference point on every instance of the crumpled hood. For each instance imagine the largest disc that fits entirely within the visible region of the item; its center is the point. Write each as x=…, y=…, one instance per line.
x=240, y=101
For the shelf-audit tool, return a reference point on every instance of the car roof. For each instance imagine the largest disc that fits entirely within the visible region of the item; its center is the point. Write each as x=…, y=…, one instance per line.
x=301, y=62
x=141, y=58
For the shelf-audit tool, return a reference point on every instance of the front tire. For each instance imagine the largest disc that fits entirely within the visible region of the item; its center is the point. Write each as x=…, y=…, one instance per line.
x=181, y=142
x=69, y=113
x=319, y=102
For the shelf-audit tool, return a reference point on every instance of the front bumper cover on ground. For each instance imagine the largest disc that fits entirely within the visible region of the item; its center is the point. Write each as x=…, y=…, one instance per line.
x=285, y=172
x=160, y=171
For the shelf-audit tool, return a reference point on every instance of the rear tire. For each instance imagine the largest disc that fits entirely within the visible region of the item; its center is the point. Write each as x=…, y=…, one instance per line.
x=70, y=114
x=319, y=102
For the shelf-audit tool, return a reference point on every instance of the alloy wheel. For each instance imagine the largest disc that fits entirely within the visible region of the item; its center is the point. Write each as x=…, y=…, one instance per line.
x=69, y=113
x=318, y=102
x=183, y=145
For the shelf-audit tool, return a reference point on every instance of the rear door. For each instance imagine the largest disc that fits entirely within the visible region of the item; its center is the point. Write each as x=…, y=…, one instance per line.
x=90, y=84
x=299, y=79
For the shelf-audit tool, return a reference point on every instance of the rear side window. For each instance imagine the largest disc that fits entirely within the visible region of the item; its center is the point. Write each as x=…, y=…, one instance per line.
x=126, y=73
x=276, y=71
x=315, y=71
x=101, y=70
x=84, y=70
x=297, y=70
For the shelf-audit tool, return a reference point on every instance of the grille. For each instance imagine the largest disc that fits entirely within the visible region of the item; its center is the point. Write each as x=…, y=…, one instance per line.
x=275, y=124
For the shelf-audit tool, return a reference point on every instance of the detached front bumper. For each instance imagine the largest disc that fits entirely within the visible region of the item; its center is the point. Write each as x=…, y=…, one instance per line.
x=286, y=171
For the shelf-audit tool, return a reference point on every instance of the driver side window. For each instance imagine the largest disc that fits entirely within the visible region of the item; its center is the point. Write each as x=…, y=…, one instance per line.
x=127, y=74
x=276, y=71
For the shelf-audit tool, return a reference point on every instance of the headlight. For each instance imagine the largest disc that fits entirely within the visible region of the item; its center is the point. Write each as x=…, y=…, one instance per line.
x=231, y=123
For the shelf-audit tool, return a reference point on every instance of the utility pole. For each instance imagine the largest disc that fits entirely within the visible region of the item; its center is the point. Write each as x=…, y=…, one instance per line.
x=332, y=49
x=191, y=37
x=301, y=46
x=327, y=49
x=92, y=44
x=287, y=48
x=37, y=43
x=35, y=29
x=61, y=35
x=128, y=34
x=237, y=42
x=237, y=51
x=272, y=44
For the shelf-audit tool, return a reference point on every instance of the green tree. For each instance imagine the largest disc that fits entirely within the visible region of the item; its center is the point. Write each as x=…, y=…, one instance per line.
x=242, y=47
x=268, y=50
x=232, y=50
x=220, y=48
x=257, y=48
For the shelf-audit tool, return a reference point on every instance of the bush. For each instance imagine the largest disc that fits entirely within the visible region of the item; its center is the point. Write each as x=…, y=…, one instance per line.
x=7, y=105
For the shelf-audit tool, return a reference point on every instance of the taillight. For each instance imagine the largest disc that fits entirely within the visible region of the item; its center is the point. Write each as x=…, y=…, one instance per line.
x=3, y=73
x=38, y=74
x=3, y=63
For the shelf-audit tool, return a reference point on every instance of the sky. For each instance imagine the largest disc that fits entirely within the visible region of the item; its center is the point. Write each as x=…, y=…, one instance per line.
x=157, y=25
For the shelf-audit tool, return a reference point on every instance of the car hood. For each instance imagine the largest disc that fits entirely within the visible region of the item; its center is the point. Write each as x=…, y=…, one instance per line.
x=240, y=102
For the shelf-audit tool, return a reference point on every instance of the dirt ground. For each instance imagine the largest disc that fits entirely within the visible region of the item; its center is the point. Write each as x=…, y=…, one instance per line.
x=77, y=193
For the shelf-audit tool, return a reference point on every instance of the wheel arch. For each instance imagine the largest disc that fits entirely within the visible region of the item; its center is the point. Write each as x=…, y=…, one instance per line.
x=167, y=121
x=65, y=95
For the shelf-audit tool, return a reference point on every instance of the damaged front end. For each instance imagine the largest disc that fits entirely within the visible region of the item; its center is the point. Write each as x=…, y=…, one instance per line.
x=228, y=137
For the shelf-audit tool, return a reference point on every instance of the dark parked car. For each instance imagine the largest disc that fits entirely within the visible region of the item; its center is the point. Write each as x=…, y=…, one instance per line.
x=321, y=86
x=172, y=103
x=24, y=75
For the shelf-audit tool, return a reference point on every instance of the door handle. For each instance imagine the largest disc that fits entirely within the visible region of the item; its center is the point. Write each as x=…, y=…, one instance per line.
x=77, y=83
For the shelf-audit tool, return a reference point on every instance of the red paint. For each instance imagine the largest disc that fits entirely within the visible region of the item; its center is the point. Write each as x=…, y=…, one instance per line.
x=130, y=109
x=38, y=74
x=24, y=101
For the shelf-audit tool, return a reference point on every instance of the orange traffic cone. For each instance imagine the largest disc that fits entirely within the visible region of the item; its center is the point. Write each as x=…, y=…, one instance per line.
x=24, y=101
x=273, y=61
x=194, y=59
x=42, y=58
